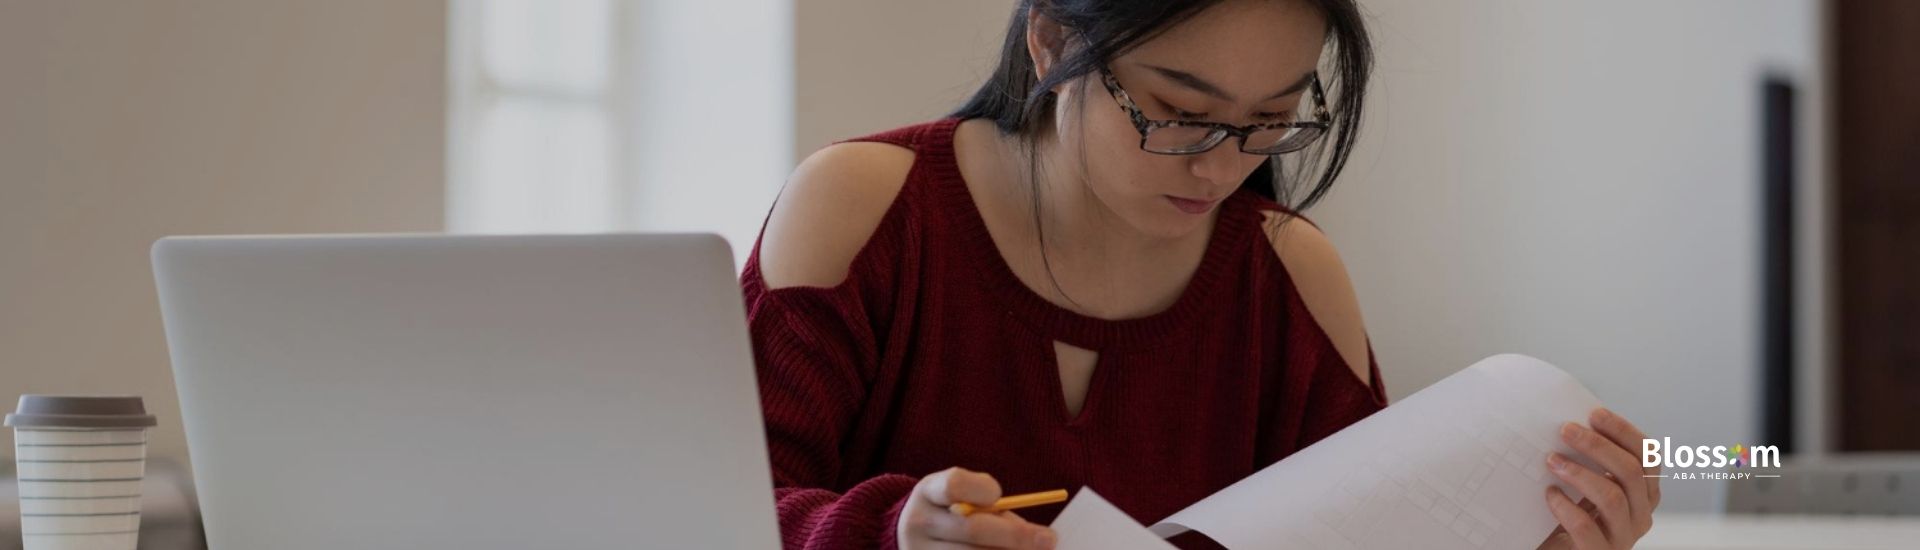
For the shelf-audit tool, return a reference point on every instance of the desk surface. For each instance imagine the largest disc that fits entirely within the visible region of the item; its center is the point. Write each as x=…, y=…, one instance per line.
x=1676, y=531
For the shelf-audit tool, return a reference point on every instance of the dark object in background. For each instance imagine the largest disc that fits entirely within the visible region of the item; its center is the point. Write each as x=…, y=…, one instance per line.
x=1876, y=217
x=1776, y=257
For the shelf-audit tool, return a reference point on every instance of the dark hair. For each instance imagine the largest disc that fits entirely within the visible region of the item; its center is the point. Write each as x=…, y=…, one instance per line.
x=1018, y=105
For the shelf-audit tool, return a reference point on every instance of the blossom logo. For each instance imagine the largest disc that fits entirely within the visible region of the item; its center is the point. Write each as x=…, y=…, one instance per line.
x=1662, y=452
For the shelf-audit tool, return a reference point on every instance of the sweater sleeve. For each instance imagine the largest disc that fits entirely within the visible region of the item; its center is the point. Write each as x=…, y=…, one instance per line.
x=1338, y=398
x=815, y=351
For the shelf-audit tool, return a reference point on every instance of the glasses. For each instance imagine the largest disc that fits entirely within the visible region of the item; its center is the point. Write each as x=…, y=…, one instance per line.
x=1189, y=137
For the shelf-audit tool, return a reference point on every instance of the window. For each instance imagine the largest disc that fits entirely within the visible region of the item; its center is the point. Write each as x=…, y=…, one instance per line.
x=579, y=116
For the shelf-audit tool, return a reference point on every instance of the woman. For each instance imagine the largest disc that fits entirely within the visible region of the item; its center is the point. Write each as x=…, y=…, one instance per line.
x=1086, y=276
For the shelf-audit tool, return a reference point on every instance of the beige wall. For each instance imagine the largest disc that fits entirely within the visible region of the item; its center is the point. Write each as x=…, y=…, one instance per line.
x=126, y=121
x=862, y=66
x=1580, y=181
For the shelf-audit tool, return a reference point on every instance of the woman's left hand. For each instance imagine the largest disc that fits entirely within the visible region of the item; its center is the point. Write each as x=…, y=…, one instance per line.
x=1619, y=503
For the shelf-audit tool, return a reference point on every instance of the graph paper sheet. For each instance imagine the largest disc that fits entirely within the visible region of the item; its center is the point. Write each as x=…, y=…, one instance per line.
x=1458, y=465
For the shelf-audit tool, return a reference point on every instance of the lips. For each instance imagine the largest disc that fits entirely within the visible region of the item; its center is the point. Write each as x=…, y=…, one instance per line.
x=1192, y=206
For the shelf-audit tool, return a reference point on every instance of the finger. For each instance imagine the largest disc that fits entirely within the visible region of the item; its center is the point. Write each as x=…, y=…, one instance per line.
x=1620, y=430
x=1623, y=432
x=1559, y=537
x=1615, y=515
x=1047, y=538
x=990, y=531
x=952, y=485
x=1653, y=490
x=1580, y=526
x=1624, y=467
x=918, y=526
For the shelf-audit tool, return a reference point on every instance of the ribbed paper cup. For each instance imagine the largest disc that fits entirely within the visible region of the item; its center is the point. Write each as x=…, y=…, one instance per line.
x=80, y=461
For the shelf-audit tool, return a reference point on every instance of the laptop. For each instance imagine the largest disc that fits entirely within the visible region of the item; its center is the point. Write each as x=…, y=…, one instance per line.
x=462, y=392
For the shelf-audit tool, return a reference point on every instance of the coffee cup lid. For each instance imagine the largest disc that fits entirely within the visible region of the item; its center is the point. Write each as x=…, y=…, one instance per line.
x=73, y=411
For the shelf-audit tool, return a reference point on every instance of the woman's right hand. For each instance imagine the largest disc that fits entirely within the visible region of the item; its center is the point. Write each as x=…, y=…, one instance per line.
x=927, y=523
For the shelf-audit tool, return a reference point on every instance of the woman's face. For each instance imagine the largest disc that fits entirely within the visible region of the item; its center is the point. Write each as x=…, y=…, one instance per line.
x=1240, y=62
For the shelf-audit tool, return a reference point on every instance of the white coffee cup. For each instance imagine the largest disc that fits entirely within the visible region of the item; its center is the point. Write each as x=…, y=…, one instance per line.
x=80, y=461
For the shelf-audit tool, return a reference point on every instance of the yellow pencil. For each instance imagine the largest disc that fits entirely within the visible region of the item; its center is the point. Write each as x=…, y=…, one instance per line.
x=1013, y=502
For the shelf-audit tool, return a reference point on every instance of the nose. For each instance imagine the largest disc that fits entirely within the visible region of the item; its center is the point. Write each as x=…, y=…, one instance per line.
x=1225, y=164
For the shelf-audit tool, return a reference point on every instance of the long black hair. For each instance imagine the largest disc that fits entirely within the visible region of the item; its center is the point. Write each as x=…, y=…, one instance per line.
x=1019, y=104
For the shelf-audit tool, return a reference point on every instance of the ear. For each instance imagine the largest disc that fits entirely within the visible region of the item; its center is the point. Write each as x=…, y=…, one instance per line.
x=1045, y=38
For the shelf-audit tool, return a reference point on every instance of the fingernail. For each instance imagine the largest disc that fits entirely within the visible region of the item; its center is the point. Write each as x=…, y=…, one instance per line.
x=1569, y=430
x=1603, y=414
x=1558, y=464
x=1046, y=539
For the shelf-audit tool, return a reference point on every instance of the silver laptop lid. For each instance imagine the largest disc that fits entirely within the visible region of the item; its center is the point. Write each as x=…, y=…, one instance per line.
x=432, y=392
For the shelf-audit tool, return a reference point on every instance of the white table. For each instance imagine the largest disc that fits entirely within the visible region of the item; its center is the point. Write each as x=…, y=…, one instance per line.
x=1699, y=531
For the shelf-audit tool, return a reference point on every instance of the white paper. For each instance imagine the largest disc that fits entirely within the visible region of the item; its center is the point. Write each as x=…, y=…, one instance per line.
x=1458, y=465
x=1092, y=523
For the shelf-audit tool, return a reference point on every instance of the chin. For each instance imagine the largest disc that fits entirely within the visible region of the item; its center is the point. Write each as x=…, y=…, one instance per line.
x=1165, y=222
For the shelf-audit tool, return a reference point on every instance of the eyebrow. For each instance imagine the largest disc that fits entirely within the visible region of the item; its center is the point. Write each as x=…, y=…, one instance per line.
x=1201, y=85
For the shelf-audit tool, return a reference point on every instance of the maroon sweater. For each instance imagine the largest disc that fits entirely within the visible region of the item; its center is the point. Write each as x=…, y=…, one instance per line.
x=933, y=354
